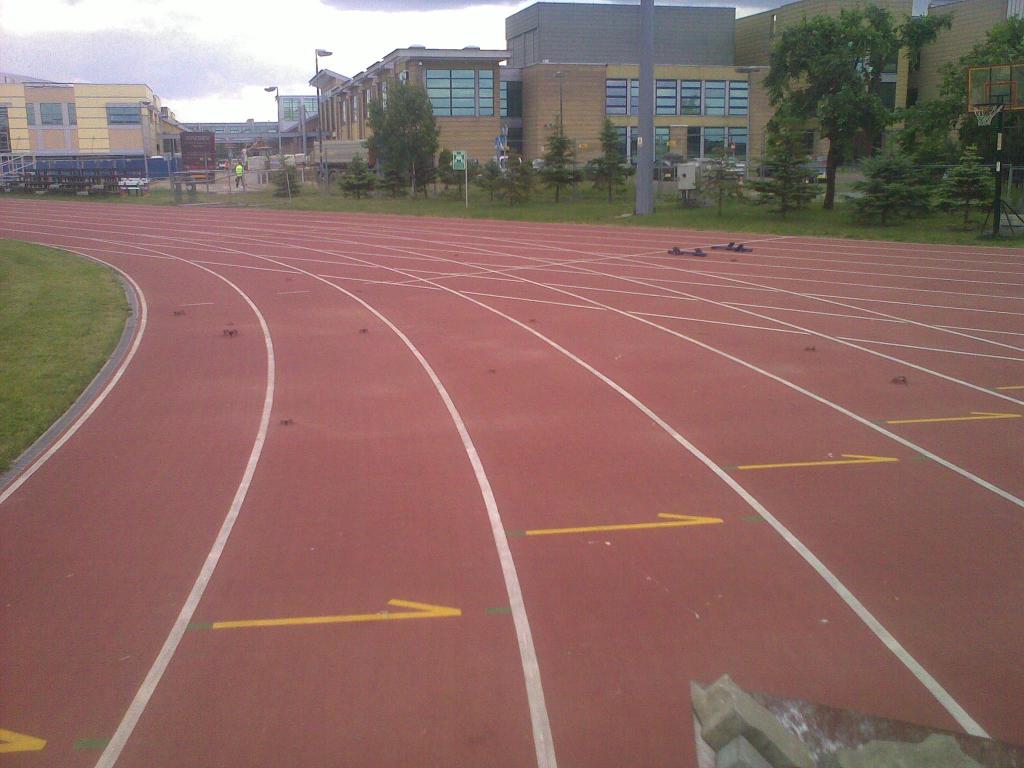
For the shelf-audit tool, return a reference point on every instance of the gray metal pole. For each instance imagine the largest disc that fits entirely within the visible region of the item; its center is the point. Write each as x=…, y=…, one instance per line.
x=645, y=151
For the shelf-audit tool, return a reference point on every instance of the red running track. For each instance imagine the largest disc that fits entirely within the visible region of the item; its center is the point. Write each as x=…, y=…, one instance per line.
x=406, y=398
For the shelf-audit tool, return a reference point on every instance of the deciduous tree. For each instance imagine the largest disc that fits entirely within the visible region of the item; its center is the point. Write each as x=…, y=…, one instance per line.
x=405, y=132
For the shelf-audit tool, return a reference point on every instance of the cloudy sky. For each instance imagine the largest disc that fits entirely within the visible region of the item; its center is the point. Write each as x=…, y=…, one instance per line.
x=209, y=60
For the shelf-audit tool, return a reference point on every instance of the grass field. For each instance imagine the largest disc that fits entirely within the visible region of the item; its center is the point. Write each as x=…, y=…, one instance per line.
x=591, y=207
x=60, y=318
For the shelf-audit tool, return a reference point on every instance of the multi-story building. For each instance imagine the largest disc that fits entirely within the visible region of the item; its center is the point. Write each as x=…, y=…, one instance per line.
x=463, y=86
x=43, y=118
x=231, y=138
x=757, y=33
x=578, y=64
x=970, y=21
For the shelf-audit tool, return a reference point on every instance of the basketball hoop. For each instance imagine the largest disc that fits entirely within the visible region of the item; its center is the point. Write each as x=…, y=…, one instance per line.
x=986, y=113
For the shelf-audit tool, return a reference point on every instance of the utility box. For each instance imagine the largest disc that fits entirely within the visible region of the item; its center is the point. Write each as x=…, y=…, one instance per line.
x=687, y=176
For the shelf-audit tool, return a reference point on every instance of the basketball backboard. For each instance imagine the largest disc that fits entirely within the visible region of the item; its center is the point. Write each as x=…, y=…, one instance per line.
x=1001, y=84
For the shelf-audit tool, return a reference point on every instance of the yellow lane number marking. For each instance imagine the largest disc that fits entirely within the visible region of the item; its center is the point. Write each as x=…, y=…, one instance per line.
x=671, y=521
x=975, y=416
x=12, y=741
x=419, y=611
x=847, y=458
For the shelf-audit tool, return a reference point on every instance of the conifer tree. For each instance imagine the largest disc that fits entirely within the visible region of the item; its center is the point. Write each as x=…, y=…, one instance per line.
x=490, y=179
x=558, y=158
x=786, y=184
x=519, y=180
x=609, y=170
x=720, y=178
x=966, y=184
x=357, y=180
x=892, y=189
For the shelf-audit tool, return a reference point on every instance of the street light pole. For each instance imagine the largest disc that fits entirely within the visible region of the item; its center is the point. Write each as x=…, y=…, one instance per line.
x=645, y=161
x=319, y=112
x=277, y=100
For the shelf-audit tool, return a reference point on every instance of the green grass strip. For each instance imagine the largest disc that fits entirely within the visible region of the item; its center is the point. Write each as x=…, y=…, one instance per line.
x=60, y=318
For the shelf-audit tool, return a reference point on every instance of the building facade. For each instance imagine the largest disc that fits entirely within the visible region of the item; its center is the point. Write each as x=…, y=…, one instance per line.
x=70, y=119
x=464, y=87
x=970, y=21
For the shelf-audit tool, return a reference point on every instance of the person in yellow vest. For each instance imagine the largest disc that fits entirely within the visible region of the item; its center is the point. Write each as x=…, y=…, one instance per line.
x=239, y=176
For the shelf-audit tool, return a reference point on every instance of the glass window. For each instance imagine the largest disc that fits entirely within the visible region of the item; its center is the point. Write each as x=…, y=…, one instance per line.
x=714, y=139
x=693, y=142
x=660, y=141
x=739, y=97
x=72, y=114
x=738, y=143
x=666, y=94
x=30, y=111
x=123, y=115
x=51, y=114
x=689, y=91
x=485, y=78
x=634, y=96
x=714, y=97
x=615, y=97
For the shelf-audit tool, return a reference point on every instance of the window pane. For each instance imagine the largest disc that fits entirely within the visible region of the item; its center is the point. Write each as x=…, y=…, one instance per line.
x=693, y=142
x=690, y=94
x=665, y=93
x=463, y=111
x=470, y=73
x=714, y=97
x=503, y=98
x=660, y=141
x=615, y=97
x=739, y=93
x=634, y=96
x=72, y=115
x=621, y=131
x=463, y=102
x=738, y=142
x=123, y=115
x=51, y=114
x=714, y=138
x=30, y=110
x=439, y=74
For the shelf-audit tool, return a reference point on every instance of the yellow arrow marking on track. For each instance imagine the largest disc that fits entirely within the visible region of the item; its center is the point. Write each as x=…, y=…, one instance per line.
x=420, y=611
x=673, y=521
x=12, y=741
x=975, y=416
x=848, y=458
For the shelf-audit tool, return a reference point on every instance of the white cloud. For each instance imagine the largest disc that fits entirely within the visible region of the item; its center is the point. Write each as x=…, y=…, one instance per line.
x=210, y=59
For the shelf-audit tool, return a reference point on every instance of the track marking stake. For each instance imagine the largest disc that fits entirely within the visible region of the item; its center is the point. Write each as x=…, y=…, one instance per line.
x=12, y=741
x=847, y=458
x=419, y=611
x=364, y=330
x=230, y=332
x=1015, y=386
x=975, y=416
x=179, y=312
x=677, y=251
x=287, y=422
x=899, y=380
x=672, y=521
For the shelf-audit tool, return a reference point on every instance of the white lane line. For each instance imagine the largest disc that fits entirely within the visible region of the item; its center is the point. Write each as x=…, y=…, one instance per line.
x=924, y=677
x=244, y=266
x=919, y=324
x=908, y=304
x=45, y=456
x=713, y=322
x=543, y=741
x=535, y=301
x=933, y=349
x=820, y=334
x=142, y=697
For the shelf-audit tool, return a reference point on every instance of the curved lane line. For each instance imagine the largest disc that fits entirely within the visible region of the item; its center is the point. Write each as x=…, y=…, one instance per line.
x=944, y=698
x=543, y=741
x=45, y=456
x=163, y=659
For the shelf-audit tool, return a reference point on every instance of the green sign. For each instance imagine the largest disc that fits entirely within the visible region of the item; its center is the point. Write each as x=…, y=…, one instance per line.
x=458, y=160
